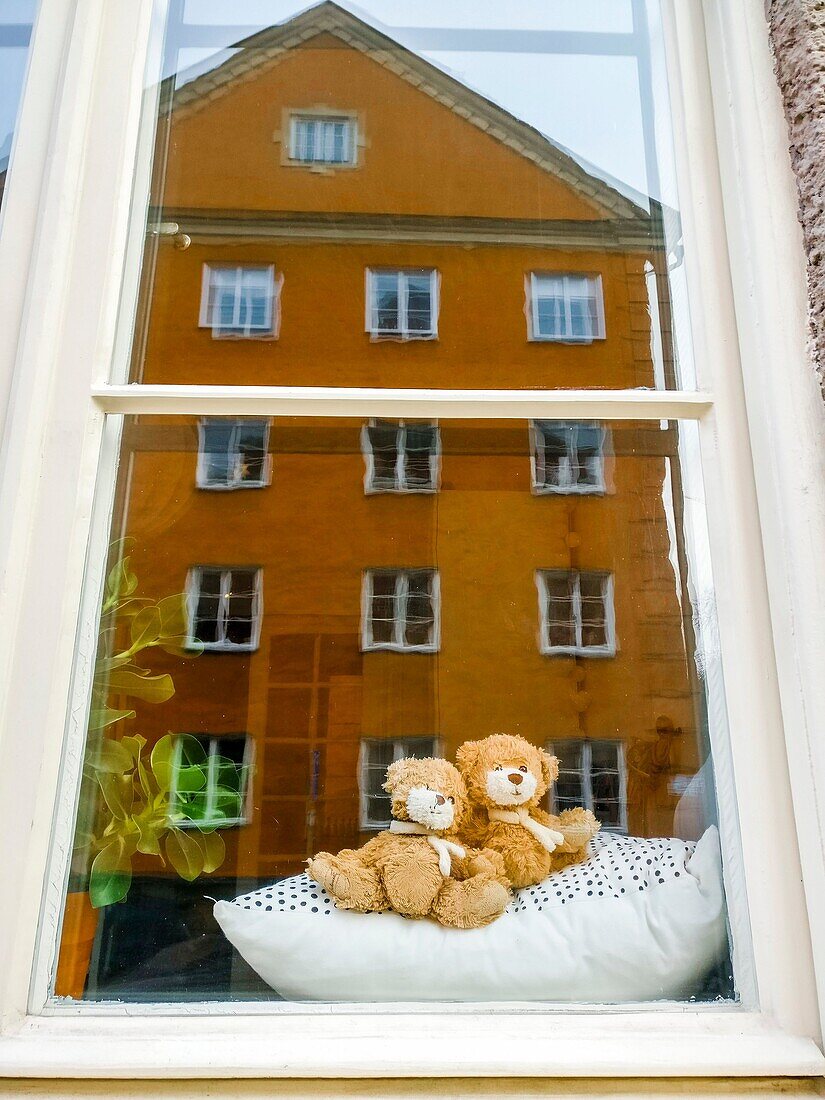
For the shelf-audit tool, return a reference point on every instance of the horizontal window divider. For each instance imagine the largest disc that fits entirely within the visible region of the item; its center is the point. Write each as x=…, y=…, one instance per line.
x=400, y=403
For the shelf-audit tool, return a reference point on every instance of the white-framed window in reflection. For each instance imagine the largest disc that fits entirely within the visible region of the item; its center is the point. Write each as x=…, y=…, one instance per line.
x=593, y=774
x=210, y=780
x=376, y=755
x=232, y=454
x=322, y=139
x=567, y=457
x=576, y=612
x=401, y=610
x=401, y=456
x=567, y=308
x=402, y=304
x=225, y=605
x=239, y=301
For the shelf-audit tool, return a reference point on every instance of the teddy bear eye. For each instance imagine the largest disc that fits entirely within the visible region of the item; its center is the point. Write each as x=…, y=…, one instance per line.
x=522, y=768
x=450, y=799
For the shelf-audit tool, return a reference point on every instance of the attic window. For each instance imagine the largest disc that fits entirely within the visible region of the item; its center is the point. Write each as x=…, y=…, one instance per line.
x=322, y=139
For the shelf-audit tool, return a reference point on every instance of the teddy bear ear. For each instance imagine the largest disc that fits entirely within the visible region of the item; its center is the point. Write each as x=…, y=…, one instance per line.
x=467, y=755
x=549, y=767
x=393, y=775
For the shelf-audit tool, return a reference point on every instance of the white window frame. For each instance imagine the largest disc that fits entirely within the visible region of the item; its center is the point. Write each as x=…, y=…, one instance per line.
x=586, y=773
x=400, y=484
x=400, y=748
x=202, y=478
x=65, y=234
x=567, y=485
x=235, y=331
x=402, y=331
x=534, y=330
x=211, y=746
x=578, y=649
x=316, y=115
x=193, y=587
x=402, y=586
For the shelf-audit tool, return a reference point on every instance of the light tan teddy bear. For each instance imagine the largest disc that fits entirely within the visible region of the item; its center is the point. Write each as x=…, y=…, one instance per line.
x=417, y=867
x=506, y=779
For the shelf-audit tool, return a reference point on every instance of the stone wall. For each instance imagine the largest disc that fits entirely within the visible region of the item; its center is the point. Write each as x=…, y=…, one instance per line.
x=798, y=36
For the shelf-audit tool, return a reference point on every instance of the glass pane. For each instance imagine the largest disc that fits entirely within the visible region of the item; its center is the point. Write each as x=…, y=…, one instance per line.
x=16, y=21
x=324, y=715
x=524, y=155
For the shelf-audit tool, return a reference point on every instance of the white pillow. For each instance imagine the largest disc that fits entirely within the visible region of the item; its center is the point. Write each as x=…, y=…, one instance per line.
x=641, y=919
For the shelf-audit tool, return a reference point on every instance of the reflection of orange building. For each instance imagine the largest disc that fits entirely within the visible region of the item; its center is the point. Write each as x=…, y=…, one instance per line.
x=316, y=155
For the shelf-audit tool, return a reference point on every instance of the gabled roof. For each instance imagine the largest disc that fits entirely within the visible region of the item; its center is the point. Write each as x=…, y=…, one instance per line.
x=265, y=49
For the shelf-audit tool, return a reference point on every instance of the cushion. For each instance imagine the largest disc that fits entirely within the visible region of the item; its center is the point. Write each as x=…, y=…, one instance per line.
x=640, y=919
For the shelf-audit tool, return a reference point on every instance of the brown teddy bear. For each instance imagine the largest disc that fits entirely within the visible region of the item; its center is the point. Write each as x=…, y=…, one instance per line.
x=416, y=867
x=506, y=779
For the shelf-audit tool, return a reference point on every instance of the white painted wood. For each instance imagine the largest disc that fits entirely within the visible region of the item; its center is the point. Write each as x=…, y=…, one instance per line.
x=392, y=403
x=338, y=1043
x=75, y=267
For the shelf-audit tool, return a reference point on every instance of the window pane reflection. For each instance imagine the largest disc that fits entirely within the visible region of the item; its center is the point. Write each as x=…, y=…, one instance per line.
x=293, y=640
x=16, y=20
x=330, y=184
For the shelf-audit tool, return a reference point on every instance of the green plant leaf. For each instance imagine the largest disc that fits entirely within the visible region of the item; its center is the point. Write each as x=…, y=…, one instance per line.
x=110, y=756
x=111, y=874
x=214, y=851
x=145, y=628
x=135, y=744
x=173, y=617
x=185, y=854
x=162, y=761
x=151, y=689
x=190, y=778
x=101, y=717
x=118, y=793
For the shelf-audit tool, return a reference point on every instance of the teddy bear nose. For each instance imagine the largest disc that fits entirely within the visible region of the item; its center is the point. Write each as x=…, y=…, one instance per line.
x=515, y=777
x=440, y=800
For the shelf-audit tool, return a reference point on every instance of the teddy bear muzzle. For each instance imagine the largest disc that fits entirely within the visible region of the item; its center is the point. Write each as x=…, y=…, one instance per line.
x=511, y=786
x=430, y=808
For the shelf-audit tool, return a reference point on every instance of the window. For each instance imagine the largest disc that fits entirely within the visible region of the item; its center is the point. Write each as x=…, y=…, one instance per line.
x=401, y=457
x=567, y=457
x=592, y=774
x=238, y=301
x=402, y=304
x=225, y=607
x=566, y=308
x=504, y=198
x=576, y=612
x=209, y=784
x=377, y=753
x=401, y=610
x=318, y=139
x=232, y=454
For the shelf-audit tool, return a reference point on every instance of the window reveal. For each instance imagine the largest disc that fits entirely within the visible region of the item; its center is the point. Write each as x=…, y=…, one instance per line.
x=566, y=308
x=576, y=612
x=209, y=781
x=224, y=607
x=401, y=610
x=401, y=457
x=567, y=457
x=376, y=756
x=233, y=454
x=315, y=139
x=593, y=774
x=402, y=304
x=238, y=301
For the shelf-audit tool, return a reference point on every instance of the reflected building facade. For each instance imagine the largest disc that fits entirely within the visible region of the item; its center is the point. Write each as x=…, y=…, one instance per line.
x=330, y=209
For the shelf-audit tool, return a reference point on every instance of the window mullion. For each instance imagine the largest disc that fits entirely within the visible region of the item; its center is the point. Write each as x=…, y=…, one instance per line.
x=400, y=456
x=403, y=290
x=401, y=592
x=211, y=779
x=223, y=607
x=577, y=608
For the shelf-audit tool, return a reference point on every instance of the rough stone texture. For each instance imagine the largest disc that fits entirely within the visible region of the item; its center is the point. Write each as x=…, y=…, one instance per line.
x=798, y=36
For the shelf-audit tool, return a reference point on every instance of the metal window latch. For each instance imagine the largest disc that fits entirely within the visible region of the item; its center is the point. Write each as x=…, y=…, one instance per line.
x=180, y=240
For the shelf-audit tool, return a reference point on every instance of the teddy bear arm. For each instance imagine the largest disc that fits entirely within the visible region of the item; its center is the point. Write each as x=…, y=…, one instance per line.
x=577, y=826
x=473, y=903
x=480, y=861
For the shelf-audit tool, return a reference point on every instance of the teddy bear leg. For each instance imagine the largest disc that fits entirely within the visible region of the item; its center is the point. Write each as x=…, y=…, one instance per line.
x=411, y=884
x=351, y=884
x=480, y=861
x=473, y=903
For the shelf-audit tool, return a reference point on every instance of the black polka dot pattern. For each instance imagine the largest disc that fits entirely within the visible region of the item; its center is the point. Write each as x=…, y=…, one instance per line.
x=617, y=867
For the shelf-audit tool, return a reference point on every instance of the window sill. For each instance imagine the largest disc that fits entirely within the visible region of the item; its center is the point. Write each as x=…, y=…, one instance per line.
x=336, y=1041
